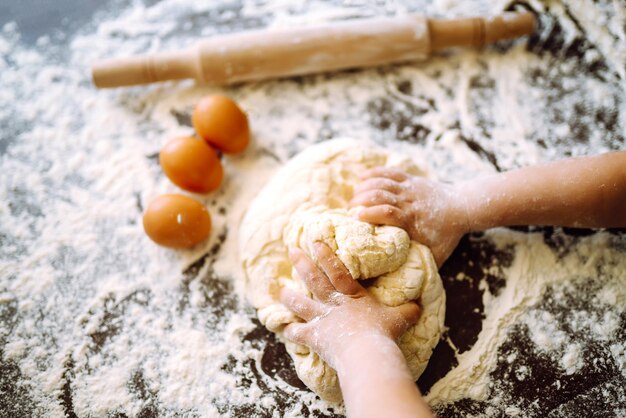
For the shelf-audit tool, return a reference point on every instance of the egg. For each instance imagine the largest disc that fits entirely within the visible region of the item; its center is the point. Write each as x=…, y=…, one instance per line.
x=221, y=123
x=191, y=164
x=176, y=221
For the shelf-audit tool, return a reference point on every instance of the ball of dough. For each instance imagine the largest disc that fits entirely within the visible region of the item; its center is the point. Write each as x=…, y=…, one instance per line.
x=307, y=201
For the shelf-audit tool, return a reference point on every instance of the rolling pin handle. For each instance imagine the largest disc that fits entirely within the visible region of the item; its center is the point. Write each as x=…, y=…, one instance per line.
x=146, y=69
x=477, y=32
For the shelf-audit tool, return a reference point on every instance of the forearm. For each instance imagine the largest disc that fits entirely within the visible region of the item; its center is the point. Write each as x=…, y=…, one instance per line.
x=376, y=382
x=581, y=192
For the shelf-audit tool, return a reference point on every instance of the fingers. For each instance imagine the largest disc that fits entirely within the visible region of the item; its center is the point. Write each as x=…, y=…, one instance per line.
x=383, y=214
x=388, y=173
x=375, y=198
x=314, y=279
x=303, y=306
x=338, y=274
x=378, y=183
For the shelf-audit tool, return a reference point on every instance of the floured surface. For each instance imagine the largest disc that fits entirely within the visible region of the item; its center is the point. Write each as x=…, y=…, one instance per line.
x=553, y=340
x=307, y=201
x=97, y=321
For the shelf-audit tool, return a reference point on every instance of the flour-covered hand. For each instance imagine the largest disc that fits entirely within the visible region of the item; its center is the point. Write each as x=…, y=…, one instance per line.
x=433, y=214
x=342, y=312
x=356, y=335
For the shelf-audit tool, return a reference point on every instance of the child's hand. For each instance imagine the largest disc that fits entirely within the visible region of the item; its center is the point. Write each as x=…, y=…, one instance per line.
x=343, y=314
x=356, y=335
x=433, y=214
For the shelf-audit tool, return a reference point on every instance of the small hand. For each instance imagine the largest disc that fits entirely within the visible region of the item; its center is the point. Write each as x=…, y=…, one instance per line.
x=342, y=312
x=433, y=214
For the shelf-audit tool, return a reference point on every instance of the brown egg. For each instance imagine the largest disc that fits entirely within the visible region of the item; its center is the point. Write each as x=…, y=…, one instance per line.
x=221, y=123
x=191, y=164
x=176, y=221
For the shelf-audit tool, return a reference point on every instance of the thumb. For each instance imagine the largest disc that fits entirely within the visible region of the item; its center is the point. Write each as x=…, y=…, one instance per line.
x=297, y=333
x=410, y=312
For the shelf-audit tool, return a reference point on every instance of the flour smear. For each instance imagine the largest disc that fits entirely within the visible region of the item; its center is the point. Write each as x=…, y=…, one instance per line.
x=98, y=321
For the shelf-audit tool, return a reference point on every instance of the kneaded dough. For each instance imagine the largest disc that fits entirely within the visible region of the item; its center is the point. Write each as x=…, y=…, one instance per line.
x=307, y=201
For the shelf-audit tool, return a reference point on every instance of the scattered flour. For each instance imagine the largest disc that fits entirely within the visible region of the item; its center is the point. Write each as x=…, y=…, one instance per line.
x=539, y=288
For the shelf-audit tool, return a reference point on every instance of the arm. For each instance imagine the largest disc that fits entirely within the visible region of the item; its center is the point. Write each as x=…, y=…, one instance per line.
x=588, y=192
x=376, y=382
x=356, y=335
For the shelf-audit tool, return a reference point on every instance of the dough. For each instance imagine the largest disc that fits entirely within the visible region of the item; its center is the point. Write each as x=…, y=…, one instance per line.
x=307, y=201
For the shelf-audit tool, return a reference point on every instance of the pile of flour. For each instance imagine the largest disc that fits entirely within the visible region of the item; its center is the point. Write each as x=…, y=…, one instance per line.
x=95, y=320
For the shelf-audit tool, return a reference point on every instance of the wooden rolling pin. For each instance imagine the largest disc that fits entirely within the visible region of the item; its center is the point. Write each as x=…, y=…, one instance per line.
x=270, y=53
